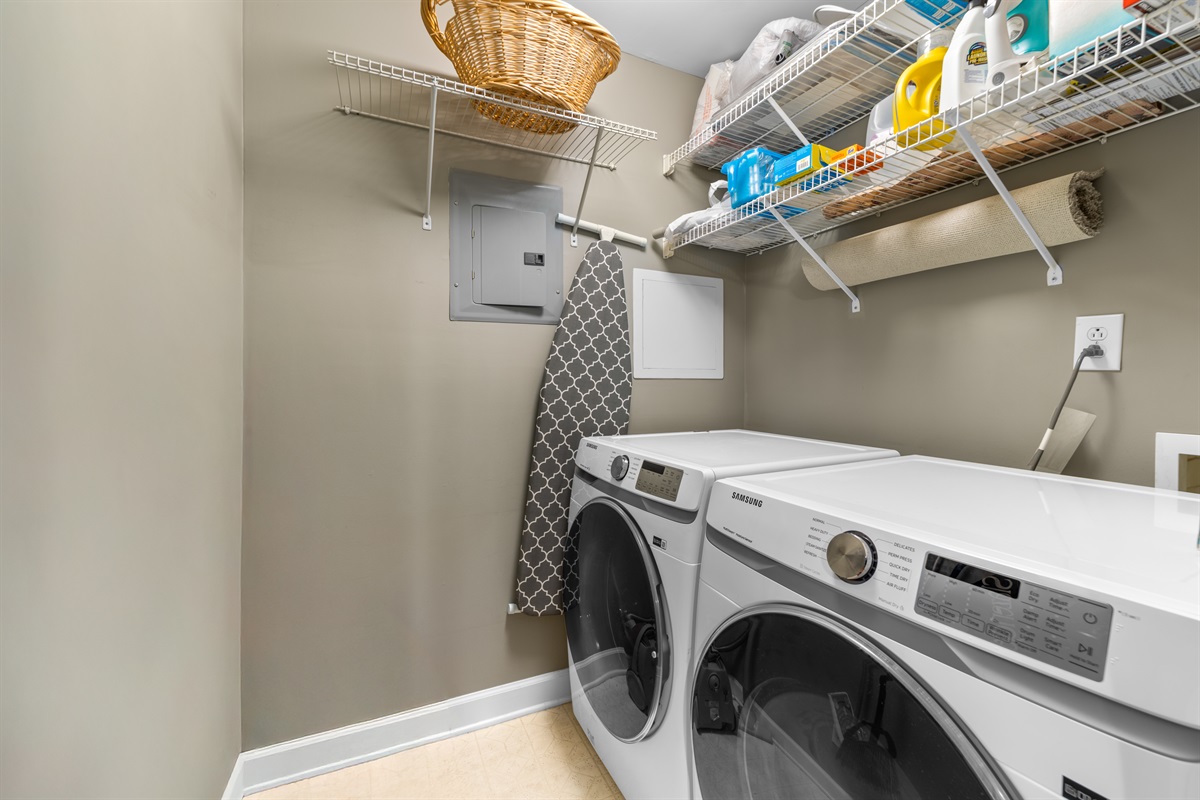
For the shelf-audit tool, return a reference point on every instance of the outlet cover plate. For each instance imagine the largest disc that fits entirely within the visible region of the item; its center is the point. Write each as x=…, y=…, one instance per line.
x=1106, y=330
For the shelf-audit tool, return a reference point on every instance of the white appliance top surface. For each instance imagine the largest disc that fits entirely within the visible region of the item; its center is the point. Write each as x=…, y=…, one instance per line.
x=726, y=452
x=1131, y=536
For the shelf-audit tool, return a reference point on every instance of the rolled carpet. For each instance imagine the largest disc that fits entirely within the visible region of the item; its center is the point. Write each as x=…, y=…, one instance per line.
x=1062, y=210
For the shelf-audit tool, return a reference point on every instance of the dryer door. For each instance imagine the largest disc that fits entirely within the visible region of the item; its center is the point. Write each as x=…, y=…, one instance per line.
x=617, y=628
x=791, y=703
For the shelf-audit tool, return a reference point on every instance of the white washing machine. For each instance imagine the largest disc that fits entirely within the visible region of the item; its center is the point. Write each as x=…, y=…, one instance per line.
x=921, y=628
x=637, y=509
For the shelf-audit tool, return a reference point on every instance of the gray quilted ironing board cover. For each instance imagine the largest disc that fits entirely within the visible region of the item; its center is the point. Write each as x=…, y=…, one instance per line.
x=585, y=392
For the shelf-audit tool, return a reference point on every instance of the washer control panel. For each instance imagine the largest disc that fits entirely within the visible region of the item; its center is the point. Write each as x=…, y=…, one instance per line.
x=659, y=480
x=1054, y=627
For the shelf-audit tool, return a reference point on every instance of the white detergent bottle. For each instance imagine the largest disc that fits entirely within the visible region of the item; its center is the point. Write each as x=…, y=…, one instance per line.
x=965, y=67
x=1003, y=63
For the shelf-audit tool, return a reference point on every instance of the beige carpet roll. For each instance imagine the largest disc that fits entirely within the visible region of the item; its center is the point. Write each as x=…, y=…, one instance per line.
x=1066, y=209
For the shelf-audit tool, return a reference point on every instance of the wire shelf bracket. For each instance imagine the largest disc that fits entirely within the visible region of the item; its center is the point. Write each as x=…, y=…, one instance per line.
x=446, y=107
x=427, y=220
x=587, y=181
x=855, y=304
x=1054, y=274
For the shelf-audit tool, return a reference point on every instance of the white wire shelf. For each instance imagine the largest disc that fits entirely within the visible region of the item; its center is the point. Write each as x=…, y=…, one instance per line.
x=1147, y=70
x=835, y=81
x=381, y=91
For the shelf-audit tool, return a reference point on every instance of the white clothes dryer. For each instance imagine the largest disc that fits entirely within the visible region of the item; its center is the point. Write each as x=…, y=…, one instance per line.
x=637, y=515
x=921, y=628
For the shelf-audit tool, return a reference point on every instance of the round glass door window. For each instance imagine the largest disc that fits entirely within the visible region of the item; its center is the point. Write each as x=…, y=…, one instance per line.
x=791, y=704
x=616, y=626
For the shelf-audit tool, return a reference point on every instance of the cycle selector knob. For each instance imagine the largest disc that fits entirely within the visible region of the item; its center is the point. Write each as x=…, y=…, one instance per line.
x=620, y=467
x=852, y=557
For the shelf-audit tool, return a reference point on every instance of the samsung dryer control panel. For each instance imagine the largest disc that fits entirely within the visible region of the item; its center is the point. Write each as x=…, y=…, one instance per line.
x=660, y=480
x=1053, y=626
x=664, y=482
x=1106, y=643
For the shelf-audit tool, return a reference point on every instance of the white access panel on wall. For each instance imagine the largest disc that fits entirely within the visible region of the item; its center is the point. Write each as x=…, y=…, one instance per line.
x=678, y=326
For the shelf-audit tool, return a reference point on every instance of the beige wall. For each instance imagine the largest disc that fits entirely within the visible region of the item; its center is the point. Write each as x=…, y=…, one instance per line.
x=969, y=361
x=387, y=448
x=120, y=437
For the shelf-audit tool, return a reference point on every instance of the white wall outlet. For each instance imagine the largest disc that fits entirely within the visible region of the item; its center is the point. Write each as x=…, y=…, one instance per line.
x=1108, y=331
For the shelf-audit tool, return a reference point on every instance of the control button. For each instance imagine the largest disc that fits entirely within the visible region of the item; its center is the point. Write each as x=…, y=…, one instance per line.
x=1055, y=624
x=1052, y=644
x=1060, y=604
x=1028, y=635
x=1035, y=595
x=974, y=623
x=851, y=556
x=619, y=468
x=1085, y=649
x=1031, y=616
x=945, y=612
x=1090, y=618
x=999, y=634
x=927, y=606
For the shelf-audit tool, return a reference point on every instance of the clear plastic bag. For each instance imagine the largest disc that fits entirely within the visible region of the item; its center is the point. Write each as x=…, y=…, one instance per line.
x=771, y=47
x=715, y=209
x=713, y=97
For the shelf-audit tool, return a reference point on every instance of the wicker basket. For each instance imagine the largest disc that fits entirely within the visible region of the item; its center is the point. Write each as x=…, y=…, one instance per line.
x=543, y=51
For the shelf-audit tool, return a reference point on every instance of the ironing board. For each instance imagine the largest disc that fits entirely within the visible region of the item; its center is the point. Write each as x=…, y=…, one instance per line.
x=585, y=392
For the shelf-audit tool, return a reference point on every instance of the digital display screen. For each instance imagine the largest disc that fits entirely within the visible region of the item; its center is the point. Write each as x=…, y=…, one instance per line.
x=650, y=466
x=974, y=576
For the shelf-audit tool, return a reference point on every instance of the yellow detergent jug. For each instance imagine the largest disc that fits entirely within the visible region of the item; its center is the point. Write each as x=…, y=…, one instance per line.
x=918, y=93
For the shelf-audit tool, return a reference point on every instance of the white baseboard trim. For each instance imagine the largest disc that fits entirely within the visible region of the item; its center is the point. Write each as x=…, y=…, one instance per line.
x=236, y=788
x=268, y=767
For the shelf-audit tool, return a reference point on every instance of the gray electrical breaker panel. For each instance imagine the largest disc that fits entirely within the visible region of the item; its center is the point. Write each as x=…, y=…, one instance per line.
x=505, y=251
x=509, y=257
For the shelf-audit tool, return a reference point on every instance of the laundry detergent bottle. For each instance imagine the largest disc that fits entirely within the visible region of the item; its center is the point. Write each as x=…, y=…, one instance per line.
x=917, y=99
x=965, y=67
x=1029, y=28
x=1003, y=62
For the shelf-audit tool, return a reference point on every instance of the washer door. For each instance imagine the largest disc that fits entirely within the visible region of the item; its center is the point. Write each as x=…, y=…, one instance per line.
x=617, y=628
x=790, y=703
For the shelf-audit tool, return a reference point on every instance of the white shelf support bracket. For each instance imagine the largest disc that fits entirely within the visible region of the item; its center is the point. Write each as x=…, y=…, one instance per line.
x=788, y=121
x=855, y=305
x=427, y=220
x=586, y=182
x=1054, y=275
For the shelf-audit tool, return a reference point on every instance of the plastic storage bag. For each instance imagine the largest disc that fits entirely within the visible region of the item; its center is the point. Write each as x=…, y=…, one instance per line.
x=715, y=209
x=781, y=38
x=713, y=97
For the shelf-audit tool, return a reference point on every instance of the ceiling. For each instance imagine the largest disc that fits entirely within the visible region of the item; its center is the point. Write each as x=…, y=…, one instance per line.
x=689, y=35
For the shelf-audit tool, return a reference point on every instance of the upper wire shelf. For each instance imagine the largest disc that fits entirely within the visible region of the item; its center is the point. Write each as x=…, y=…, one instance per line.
x=395, y=94
x=1148, y=69
x=833, y=82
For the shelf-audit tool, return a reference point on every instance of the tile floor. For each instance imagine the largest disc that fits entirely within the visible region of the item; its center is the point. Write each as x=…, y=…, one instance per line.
x=544, y=756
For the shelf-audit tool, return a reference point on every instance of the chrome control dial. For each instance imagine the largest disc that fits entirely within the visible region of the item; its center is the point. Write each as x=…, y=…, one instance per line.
x=851, y=556
x=620, y=467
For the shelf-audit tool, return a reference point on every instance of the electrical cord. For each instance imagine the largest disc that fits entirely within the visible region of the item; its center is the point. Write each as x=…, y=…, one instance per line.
x=1091, y=351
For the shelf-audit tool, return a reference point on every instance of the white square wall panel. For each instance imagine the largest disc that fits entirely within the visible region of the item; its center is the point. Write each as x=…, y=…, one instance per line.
x=678, y=326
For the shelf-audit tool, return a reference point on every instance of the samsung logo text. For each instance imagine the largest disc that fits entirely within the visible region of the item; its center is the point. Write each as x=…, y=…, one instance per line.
x=747, y=499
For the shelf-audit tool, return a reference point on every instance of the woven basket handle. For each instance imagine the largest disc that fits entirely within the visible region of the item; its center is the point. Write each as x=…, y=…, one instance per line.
x=429, y=17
